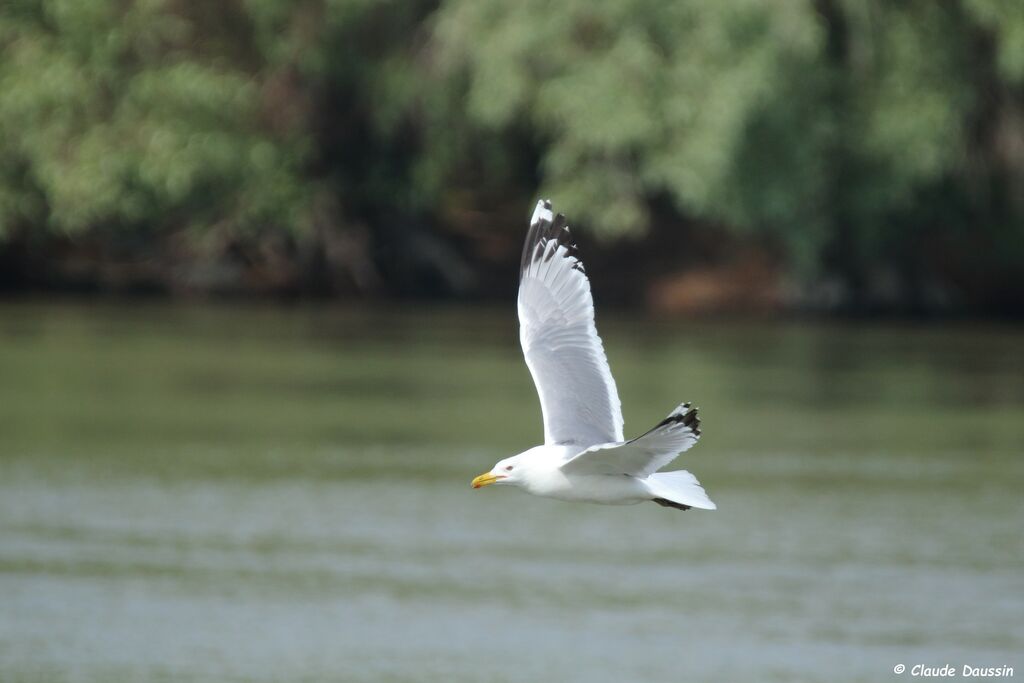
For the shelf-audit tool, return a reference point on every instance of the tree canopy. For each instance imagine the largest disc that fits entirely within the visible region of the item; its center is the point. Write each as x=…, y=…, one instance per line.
x=858, y=141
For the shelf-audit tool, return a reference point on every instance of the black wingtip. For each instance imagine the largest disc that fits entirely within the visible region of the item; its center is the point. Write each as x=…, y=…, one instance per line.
x=544, y=229
x=559, y=223
x=685, y=415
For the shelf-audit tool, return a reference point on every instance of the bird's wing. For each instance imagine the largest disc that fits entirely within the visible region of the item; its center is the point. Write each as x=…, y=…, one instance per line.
x=645, y=454
x=556, y=328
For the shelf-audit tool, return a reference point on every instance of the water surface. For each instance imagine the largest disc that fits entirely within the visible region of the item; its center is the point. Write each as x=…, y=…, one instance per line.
x=266, y=494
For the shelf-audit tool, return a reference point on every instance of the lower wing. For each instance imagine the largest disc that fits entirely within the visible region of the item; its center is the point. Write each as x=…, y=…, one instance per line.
x=645, y=454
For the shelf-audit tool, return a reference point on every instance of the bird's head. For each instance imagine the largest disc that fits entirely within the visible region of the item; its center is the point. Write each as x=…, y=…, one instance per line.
x=507, y=471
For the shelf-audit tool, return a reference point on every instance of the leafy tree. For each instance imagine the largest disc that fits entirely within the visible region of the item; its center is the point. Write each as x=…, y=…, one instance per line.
x=140, y=116
x=858, y=135
x=857, y=138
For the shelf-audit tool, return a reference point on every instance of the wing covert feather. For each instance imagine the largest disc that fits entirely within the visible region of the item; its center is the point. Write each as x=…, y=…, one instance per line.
x=644, y=455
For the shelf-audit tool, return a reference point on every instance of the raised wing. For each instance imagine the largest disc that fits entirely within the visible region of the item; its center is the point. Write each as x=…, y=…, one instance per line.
x=644, y=455
x=556, y=328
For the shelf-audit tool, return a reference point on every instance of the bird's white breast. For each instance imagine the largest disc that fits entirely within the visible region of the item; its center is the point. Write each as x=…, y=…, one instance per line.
x=619, y=489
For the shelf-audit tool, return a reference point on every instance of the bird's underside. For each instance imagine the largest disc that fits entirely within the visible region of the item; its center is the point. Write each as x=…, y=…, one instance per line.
x=578, y=397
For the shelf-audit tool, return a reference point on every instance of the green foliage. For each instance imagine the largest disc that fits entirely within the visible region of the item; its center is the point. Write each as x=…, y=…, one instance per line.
x=1005, y=19
x=633, y=98
x=118, y=115
x=767, y=117
x=846, y=133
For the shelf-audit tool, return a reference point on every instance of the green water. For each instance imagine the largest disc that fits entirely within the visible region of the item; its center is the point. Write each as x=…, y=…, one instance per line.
x=267, y=494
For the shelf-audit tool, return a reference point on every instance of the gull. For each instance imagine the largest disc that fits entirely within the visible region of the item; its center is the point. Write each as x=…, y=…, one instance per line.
x=584, y=456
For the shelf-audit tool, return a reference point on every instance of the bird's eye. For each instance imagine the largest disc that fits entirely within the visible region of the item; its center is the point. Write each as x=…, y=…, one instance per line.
x=509, y=468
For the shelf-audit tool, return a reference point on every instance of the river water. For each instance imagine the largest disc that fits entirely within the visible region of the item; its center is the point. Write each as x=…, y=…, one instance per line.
x=245, y=493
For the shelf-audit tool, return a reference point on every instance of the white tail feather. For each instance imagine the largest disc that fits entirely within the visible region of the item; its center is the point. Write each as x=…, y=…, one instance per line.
x=680, y=487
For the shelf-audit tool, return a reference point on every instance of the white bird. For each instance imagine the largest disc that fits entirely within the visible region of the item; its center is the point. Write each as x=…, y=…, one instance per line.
x=584, y=456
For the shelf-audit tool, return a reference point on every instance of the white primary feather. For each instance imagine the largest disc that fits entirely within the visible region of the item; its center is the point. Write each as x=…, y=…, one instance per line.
x=577, y=393
x=542, y=212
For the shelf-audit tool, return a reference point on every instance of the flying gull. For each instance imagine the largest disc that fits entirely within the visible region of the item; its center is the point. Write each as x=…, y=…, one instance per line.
x=584, y=456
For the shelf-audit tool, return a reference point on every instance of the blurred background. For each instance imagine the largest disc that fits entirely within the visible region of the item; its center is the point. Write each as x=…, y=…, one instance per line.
x=258, y=264
x=858, y=156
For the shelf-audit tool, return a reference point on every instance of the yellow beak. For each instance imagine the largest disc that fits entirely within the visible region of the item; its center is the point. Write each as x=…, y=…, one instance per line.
x=486, y=480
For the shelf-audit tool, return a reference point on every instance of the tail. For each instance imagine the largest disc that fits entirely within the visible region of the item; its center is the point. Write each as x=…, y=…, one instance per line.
x=680, y=490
